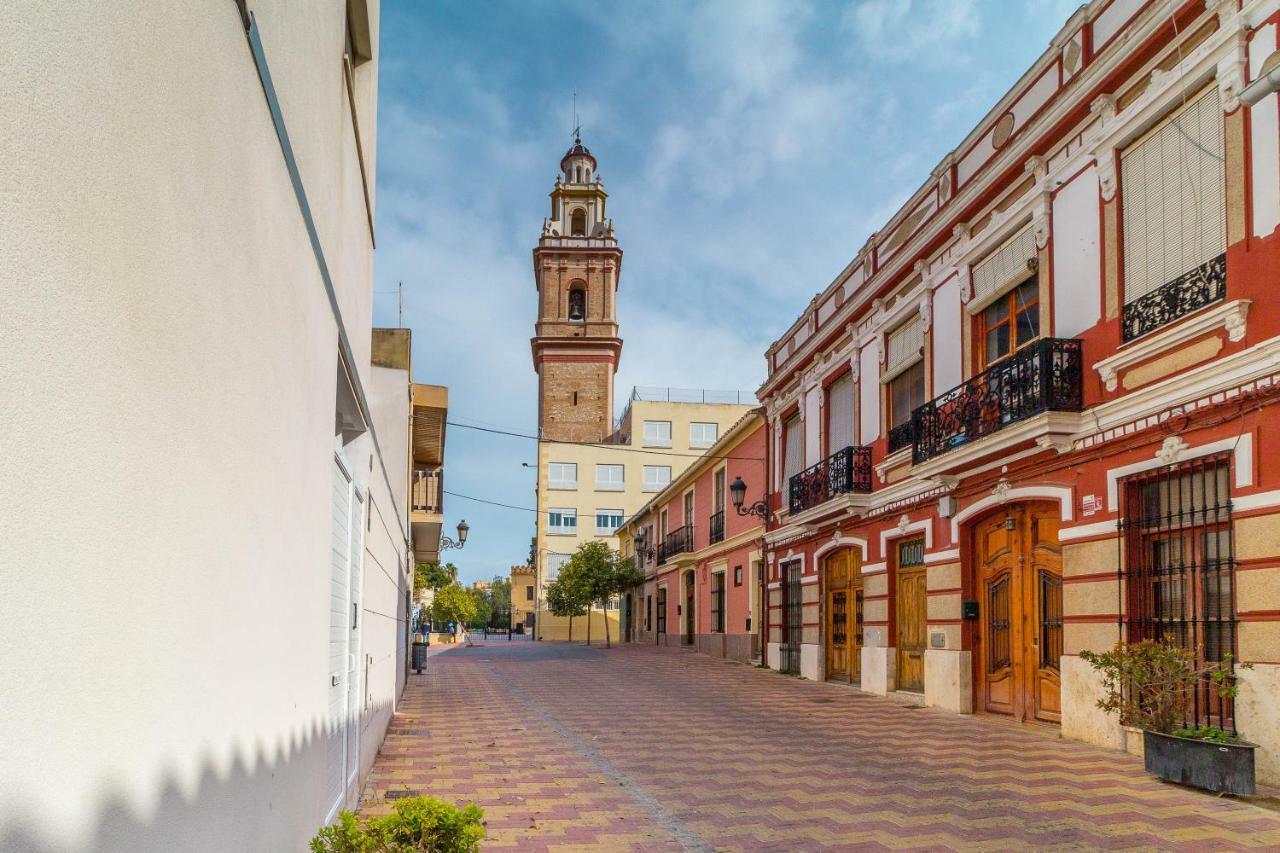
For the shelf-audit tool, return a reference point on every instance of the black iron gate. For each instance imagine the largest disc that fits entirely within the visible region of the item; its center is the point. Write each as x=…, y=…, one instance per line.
x=792, y=618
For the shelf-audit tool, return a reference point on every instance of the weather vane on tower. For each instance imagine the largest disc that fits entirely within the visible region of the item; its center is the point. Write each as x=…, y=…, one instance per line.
x=577, y=127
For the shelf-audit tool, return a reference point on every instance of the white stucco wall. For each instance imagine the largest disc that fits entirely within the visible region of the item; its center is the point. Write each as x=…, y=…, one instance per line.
x=169, y=356
x=946, y=336
x=1077, y=265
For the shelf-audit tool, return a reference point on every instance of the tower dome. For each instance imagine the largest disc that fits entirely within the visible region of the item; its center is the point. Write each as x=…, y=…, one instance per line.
x=578, y=164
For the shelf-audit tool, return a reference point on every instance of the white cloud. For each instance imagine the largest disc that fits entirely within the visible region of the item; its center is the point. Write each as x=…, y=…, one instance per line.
x=922, y=32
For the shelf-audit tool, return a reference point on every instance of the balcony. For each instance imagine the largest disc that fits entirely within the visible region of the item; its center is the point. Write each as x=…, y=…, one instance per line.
x=900, y=436
x=1186, y=294
x=846, y=470
x=428, y=490
x=677, y=541
x=428, y=414
x=1042, y=377
x=716, y=527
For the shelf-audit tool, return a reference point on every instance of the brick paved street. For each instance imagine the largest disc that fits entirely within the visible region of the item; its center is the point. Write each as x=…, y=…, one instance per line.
x=641, y=748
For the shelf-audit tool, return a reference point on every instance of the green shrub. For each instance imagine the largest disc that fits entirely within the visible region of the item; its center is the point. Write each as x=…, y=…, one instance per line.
x=416, y=824
x=1210, y=733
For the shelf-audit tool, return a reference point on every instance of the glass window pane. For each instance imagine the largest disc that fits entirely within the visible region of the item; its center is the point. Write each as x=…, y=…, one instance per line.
x=1028, y=324
x=996, y=312
x=997, y=343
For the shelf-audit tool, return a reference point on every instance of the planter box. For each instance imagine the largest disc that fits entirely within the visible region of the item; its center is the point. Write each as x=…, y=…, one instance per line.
x=1226, y=768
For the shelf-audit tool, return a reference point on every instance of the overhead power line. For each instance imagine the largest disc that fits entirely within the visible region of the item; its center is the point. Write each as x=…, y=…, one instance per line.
x=599, y=446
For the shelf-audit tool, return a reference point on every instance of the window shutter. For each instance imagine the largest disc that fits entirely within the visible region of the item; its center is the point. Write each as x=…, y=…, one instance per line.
x=1003, y=268
x=840, y=414
x=1174, y=197
x=794, y=458
x=905, y=344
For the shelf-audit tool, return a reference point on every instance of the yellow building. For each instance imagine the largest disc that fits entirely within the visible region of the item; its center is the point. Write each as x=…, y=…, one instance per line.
x=586, y=491
x=523, y=597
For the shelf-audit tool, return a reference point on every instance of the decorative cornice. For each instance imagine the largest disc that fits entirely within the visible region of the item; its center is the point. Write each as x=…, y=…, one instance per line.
x=1231, y=316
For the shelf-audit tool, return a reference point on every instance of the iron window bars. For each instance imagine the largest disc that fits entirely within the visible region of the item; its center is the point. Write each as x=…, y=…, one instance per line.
x=793, y=619
x=1042, y=376
x=1186, y=294
x=717, y=527
x=846, y=470
x=676, y=542
x=717, y=602
x=1178, y=570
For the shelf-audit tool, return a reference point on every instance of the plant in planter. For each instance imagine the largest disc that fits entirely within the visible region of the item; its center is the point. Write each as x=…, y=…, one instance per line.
x=1151, y=686
x=416, y=824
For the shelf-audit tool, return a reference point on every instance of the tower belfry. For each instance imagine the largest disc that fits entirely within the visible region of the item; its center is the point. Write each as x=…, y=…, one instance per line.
x=576, y=265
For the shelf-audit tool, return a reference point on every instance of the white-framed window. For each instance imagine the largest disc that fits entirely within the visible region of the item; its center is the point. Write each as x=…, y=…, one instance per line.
x=656, y=477
x=657, y=433
x=562, y=475
x=555, y=562
x=703, y=434
x=608, y=521
x=610, y=478
x=563, y=522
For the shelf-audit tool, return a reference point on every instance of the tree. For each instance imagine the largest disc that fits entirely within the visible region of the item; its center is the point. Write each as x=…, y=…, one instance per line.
x=453, y=604
x=603, y=574
x=566, y=596
x=484, y=607
x=433, y=576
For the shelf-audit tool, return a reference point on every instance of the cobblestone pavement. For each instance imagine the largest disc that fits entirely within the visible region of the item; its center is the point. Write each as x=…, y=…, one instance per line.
x=641, y=748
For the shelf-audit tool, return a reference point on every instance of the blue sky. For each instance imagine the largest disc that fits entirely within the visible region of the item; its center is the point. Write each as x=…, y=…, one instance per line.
x=749, y=149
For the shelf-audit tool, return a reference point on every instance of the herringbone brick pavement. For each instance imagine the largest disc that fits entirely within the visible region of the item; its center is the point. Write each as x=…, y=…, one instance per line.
x=641, y=748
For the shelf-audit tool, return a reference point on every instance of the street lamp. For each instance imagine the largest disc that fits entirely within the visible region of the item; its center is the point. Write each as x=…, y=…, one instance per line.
x=643, y=547
x=463, y=528
x=738, y=490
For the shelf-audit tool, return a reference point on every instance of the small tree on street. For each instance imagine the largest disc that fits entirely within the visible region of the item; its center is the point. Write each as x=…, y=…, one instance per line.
x=604, y=575
x=453, y=604
x=566, y=597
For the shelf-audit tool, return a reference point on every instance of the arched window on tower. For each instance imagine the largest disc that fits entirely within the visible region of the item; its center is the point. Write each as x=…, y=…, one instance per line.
x=577, y=304
x=578, y=223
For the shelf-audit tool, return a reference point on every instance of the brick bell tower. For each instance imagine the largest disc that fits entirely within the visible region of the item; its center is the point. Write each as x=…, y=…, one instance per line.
x=576, y=267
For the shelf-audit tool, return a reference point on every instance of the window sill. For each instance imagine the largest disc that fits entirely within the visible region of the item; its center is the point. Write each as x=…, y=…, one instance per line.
x=661, y=445
x=606, y=487
x=653, y=490
x=562, y=487
x=562, y=532
x=700, y=445
x=1231, y=316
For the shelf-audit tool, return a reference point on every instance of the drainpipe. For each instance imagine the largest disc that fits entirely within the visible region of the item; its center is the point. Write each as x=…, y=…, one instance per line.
x=762, y=628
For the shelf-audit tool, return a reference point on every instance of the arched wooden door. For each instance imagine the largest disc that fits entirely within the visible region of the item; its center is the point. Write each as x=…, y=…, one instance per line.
x=1019, y=590
x=843, y=615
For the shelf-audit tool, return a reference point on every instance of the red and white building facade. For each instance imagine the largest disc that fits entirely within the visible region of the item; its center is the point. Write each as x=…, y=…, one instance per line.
x=1030, y=417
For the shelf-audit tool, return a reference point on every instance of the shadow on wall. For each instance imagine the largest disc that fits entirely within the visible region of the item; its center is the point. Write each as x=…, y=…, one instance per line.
x=274, y=802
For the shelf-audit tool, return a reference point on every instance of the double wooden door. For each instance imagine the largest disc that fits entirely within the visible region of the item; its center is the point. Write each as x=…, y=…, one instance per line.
x=911, y=617
x=1019, y=589
x=844, y=615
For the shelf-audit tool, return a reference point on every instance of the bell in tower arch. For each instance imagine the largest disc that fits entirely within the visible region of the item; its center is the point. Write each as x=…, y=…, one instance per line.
x=577, y=304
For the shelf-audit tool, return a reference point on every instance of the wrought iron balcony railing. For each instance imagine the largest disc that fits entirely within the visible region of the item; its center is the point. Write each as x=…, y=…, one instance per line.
x=1204, y=285
x=846, y=470
x=717, y=527
x=426, y=494
x=1044, y=376
x=676, y=542
x=900, y=436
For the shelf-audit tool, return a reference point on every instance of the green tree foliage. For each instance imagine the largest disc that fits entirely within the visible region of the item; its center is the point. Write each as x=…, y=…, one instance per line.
x=433, y=576
x=416, y=824
x=603, y=575
x=566, y=596
x=483, y=607
x=453, y=604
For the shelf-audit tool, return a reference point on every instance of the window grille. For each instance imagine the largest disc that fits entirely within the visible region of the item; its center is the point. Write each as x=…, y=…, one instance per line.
x=1004, y=267
x=793, y=618
x=717, y=603
x=662, y=610
x=1178, y=569
x=1174, y=198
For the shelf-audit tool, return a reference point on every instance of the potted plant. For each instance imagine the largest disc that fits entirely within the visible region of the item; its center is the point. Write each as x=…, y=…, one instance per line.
x=415, y=824
x=1150, y=685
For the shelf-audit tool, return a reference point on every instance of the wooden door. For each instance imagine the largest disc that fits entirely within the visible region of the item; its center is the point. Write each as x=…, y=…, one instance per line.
x=843, y=615
x=910, y=626
x=837, y=615
x=1019, y=590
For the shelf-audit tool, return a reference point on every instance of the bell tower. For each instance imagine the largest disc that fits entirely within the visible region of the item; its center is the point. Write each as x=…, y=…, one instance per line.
x=576, y=265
